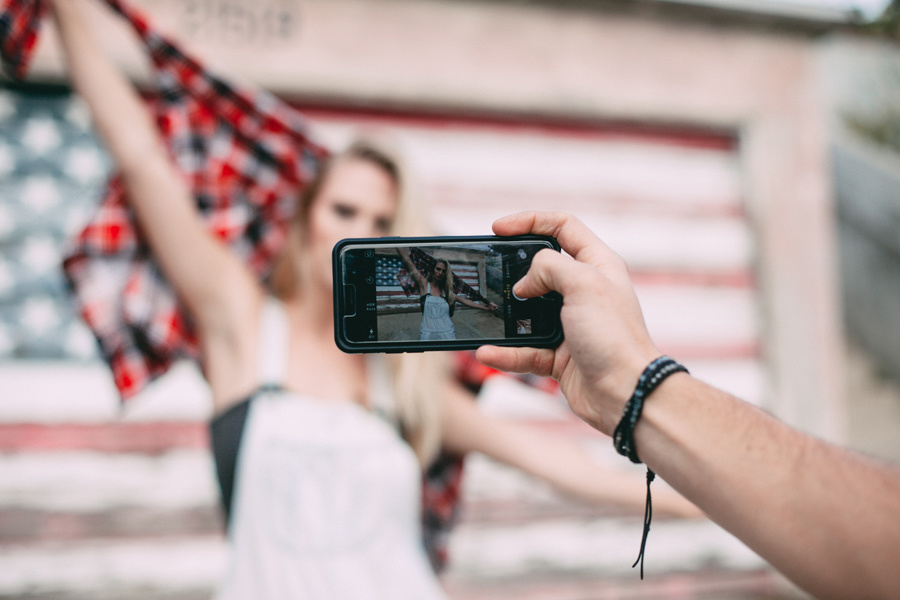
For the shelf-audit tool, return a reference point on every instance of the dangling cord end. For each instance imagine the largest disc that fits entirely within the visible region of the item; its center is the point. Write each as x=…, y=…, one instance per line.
x=648, y=515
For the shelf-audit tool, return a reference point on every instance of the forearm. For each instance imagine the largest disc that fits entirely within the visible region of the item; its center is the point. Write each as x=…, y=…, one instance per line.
x=825, y=517
x=411, y=269
x=407, y=262
x=116, y=108
x=204, y=273
x=470, y=303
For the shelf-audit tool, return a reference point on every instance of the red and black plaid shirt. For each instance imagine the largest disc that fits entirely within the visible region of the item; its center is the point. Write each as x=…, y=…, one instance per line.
x=247, y=157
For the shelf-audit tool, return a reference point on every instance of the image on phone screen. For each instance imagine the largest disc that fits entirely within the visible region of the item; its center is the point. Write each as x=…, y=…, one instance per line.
x=423, y=294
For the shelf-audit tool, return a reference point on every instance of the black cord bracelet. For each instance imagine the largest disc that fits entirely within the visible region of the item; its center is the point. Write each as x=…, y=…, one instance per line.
x=623, y=436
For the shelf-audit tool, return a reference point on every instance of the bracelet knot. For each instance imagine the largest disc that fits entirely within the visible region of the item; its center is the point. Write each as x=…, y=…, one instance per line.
x=623, y=436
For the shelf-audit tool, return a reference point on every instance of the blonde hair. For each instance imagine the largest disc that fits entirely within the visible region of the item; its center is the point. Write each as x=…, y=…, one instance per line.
x=447, y=285
x=414, y=377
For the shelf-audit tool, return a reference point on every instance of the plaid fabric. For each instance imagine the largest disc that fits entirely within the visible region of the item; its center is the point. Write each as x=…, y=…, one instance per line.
x=406, y=282
x=19, y=21
x=247, y=157
x=424, y=262
x=441, y=487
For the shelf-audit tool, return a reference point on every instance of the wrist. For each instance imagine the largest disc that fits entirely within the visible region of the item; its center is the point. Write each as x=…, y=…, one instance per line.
x=615, y=387
x=651, y=377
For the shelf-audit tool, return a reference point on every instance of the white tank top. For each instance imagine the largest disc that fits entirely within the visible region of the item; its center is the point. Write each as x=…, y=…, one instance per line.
x=327, y=495
x=436, y=323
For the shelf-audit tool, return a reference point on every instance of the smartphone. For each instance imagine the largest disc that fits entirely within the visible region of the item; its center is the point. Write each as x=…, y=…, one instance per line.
x=439, y=293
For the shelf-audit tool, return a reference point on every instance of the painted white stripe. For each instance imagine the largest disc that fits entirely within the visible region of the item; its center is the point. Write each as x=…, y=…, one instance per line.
x=646, y=242
x=175, y=564
x=94, y=481
x=696, y=316
x=508, y=397
x=60, y=391
x=599, y=547
x=746, y=379
x=486, y=480
x=54, y=391
x=476, y=157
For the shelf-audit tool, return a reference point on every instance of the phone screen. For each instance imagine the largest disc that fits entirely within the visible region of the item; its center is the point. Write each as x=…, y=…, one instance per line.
x=439, y=293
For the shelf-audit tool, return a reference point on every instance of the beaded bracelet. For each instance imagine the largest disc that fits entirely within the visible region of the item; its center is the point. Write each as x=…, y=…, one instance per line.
x=623, y=436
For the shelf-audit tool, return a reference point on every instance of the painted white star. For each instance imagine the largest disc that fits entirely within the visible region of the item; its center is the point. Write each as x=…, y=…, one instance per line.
x=39, y=315
x=40, y=194
x=7, y=224
x=6, y=341
x=78, y=114
x=40, y=254
x=77, y=217
x=7, y=106
x=41, y=135
x=85, y=164
x=7, y=160
x=80, y=343
x=6, y=278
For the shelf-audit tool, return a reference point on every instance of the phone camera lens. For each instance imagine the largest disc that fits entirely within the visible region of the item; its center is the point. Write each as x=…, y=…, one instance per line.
x=521, y=254
x=369, y=280
x=369, y=253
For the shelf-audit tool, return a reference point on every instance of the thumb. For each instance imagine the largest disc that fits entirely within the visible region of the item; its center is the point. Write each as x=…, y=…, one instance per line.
x=550, y=271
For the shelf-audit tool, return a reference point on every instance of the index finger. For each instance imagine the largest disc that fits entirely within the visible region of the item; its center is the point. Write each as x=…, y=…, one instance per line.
x=573, y=236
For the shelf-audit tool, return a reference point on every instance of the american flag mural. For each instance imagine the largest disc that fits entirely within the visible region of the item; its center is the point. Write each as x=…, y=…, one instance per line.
x=98, y=503
x=52, y=171
x=391, y=297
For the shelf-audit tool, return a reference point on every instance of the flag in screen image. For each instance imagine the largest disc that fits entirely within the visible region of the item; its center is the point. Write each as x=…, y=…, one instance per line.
x=392, y=296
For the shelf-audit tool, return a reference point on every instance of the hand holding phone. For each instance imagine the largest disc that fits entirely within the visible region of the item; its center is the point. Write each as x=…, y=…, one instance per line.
x=439, y=293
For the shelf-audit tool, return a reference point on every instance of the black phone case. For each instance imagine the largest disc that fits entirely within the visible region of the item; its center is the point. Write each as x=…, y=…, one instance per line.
x=351, y=346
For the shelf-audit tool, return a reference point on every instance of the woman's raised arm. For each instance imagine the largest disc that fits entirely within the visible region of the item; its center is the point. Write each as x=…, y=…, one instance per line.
x=208, y=278
x=412, y=270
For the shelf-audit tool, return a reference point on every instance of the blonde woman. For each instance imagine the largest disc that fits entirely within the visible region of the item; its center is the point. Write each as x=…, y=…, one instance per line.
x=436, y=297
x=320, y=454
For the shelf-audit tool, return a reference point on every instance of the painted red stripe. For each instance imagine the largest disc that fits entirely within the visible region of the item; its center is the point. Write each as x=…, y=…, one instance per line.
x=742, y=278
x=570, y=426
x=468, y=196
x=142, y=438
x=751, y=349
x=20, y=525
x=673, y=134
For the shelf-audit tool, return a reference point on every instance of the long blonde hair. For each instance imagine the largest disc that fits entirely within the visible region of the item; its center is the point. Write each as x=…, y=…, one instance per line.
x=447, y=285
x=414, y=377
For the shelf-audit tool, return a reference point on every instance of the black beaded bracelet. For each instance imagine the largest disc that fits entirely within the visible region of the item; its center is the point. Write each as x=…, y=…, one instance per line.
x=623, y=436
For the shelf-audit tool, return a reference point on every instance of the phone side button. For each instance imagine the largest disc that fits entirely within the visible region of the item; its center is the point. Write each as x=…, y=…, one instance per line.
x=349, y=300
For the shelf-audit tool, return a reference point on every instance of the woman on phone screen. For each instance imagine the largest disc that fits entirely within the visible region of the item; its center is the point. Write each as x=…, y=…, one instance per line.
x=437, y=298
